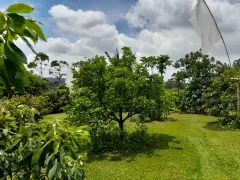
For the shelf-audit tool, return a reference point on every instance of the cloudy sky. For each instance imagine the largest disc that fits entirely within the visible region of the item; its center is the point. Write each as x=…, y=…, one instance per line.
x=83, y=28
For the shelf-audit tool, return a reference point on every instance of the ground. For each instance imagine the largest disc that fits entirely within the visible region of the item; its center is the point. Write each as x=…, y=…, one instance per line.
x=193, y=147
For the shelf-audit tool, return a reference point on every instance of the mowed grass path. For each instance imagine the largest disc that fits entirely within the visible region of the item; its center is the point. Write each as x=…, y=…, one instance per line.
x=193, y=147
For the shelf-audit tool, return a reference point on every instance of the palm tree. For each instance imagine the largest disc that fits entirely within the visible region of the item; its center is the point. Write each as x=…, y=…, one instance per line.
x=162, y=62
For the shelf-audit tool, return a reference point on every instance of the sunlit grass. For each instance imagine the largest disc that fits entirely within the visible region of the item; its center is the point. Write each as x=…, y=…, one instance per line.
x=193, y=147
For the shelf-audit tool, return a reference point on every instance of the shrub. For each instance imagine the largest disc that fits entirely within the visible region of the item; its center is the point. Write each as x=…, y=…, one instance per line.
x=43, y=151
x=231, y=122
x=27, y=108
x=105, y=137
x=57, y=100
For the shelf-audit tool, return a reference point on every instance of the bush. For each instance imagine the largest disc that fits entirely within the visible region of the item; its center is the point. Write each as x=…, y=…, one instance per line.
x=231, y=122
x=27, y=108
x=106, y=137
x=46, y=150
x=57, y=100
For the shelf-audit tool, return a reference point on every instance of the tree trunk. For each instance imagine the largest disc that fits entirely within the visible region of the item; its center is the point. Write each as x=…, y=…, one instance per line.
x=120, y=123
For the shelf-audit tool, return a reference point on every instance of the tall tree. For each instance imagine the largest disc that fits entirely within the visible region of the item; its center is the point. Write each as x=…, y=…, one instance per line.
x=40, y=62
x=57, y=69
x=162, y=62
x=107, y=90
x=197, y=69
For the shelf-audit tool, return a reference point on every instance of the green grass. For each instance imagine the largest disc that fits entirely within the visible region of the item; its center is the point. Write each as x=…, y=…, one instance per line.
x=193, y=147
x=55, y=116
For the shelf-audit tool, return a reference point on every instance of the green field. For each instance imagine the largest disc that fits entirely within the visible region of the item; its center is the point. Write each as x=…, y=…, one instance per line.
x=192, y=147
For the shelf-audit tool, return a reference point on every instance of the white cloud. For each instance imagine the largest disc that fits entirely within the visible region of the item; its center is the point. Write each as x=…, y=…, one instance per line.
x=83, y=23
x=164, y=30
x=159, y=14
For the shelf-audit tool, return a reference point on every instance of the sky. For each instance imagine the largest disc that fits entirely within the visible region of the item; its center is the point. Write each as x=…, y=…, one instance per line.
x=76, y=29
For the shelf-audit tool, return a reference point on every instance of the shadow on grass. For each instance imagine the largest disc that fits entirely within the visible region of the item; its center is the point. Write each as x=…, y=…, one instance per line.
x=214, y=126
x=156, y=142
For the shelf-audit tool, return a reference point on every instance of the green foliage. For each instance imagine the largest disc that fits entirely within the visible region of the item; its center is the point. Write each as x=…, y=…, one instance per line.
x=41, y=60
x=57, y=69
x=27, y=108
x=19, y=8
x=159, y=62
x=106, y=91
x=209, y=89
x=231, y=122
x=198, y=70
x=220, y=96
x=105, y=138
x=30, y=149
x=57, y=100
x=12, y=59
x=47, y=150
x=37, y=85
x=174, y=83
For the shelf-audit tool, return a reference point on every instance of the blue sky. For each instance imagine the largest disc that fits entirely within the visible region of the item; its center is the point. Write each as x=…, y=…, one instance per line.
x=112, y=8
x=84, y=28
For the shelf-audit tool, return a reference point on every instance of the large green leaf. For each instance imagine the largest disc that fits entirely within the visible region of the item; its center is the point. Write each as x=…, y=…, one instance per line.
x=2, y=22
x=16, y=141
x=31, y=24
x=62, y=154
x=33, y=35
x=19, y=8
x=16, y=74
x=36, y=155
x=13, y=53
x=24, y=131
x=16, y=20
x=53, y=170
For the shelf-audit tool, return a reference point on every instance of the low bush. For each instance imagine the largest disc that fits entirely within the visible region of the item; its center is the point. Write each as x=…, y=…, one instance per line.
x=57, y=100
x=231, y=122
x=27, y=108
x=106, y=137
x=46, y=150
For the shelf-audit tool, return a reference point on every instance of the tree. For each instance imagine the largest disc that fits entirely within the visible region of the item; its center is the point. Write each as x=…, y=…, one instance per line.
x=40, y=61
x=174, y=83
x=159, y=62
x=37, y=85
x=149, y=62
x=162, y=62
x=57, y=69
x=105, y=91
x=12, y=27
x=198, y=70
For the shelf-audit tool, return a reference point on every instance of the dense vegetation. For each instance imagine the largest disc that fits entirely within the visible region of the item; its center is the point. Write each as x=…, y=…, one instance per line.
x=112, y=100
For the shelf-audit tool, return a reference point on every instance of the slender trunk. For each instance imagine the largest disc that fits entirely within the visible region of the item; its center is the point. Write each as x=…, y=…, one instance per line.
x=120, y=123
x=41, y=69
x=121, y=126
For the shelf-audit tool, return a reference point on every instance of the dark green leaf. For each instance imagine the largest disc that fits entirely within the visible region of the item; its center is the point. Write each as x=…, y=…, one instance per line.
x=24, y=131
x=69, y=152
x=56, y=146
x=2, y=22
x=15, y=143
x=50, y=134
x=19, y=8
x=13, y=53
x=16, y=21
x=36, y=155
x=62, y=154
x=53, y=170
x=34, y=26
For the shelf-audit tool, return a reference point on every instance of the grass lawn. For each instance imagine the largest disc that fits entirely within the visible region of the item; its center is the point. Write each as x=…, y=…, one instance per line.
x=193, y=147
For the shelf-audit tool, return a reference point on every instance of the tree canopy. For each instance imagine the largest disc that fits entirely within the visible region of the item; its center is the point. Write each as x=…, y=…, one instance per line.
x=113, y=90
